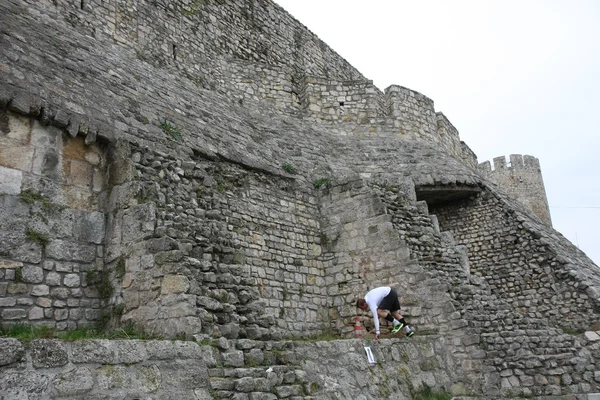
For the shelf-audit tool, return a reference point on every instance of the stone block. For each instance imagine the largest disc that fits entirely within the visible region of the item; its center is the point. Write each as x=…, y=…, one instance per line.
x=74, y=383
x=61, y=119
x=92, y=351
x=90, y=227
x=7, y=264
x=189, y=374
x=79, y=197
x=72, y=280
x=75, y=314
x=59, y=293
x=11, y=351
x=40, y=290
x=28, y=252
x=71, y=251
x=209, y=303
x=233, y=358
x=173, y=284
x=53, y=279
x=80, y=173
x=60, y=314
x=33, y=274
x=110, y=377
x=230, y=331
x=24, y=301
x=45, y=137
x=17, y=157
x=44, y=302
x=17, y=288
x=48, y=353
x=8, y=302
x=46, y=162
x=19, y=128
x=35, y=313
x=244, y=384
x=128, y=351
x=10, y=180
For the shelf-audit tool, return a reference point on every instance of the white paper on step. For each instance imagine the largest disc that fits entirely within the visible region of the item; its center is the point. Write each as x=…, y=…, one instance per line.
x=370, y=355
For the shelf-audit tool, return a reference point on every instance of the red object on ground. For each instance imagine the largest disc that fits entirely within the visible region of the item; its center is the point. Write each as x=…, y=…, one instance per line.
x=358, y=330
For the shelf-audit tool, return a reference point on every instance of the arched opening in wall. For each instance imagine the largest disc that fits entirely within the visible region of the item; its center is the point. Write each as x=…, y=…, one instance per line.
x=174, y=52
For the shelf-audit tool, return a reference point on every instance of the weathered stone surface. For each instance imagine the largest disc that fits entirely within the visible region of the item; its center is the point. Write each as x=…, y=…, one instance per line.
x=23, y=385
x=592, y=336
x=11, y=351
x=268, y=253
x=175, y=284
x=35, y=313
x=13, y=314
x=7, y=302
x=10, y=180
x=70, y=251
x=40, y=290
x=90, y=227
x=33, y=274
x=97, y=351
x=72, y=280
x=7, y=264
x=46, y=353
x=73, y=383
x=233, y=358
x=29, y=252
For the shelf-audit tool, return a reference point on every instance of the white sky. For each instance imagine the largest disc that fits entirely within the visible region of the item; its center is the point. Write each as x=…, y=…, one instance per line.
x=513, y=76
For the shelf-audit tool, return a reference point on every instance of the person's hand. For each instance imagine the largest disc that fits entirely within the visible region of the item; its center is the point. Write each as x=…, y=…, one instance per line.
x=377, y=336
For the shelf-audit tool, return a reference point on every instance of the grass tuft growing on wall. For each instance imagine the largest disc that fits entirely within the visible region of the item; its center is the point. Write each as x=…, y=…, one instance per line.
x=322, y=182
x=289, y=168
x=171, y=130
x=36, y=237
x=28, y=332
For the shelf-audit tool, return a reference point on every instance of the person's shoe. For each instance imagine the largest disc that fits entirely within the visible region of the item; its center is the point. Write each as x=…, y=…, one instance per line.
x=397, y=327
x=409, y=334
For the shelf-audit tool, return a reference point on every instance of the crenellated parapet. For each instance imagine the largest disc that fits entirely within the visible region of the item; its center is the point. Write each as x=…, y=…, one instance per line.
x=522, y=179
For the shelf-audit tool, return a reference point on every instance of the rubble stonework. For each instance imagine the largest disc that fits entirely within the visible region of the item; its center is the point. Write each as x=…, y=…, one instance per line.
x=522, y=179
x=212, y=170
x=239, y=369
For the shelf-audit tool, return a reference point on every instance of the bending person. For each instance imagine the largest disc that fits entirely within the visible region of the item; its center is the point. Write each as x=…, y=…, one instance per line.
x=380, y=300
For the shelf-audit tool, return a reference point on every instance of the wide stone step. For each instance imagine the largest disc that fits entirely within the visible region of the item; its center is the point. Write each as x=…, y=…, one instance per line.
x=285, y=381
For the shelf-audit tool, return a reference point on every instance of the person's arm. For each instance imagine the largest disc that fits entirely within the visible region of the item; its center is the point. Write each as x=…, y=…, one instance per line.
x=373, y=308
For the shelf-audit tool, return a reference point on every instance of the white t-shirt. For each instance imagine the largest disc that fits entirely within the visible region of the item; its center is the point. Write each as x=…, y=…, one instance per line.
x=373, y=299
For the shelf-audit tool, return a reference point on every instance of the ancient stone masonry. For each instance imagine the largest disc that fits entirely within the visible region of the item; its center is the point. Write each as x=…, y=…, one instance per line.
x=242, y=246
x=52, y=233
x=523, y=180
x=238, y=369
x=212, y=170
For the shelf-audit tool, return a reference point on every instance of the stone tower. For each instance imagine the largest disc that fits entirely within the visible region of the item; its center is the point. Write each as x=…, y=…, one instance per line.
x=521, y=179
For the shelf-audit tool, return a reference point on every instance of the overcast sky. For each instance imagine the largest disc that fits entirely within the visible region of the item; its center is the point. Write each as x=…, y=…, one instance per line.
x=514, y=77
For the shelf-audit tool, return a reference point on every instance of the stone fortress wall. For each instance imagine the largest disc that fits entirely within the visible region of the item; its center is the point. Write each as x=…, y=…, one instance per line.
x=522, y=179
x=154, y=136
